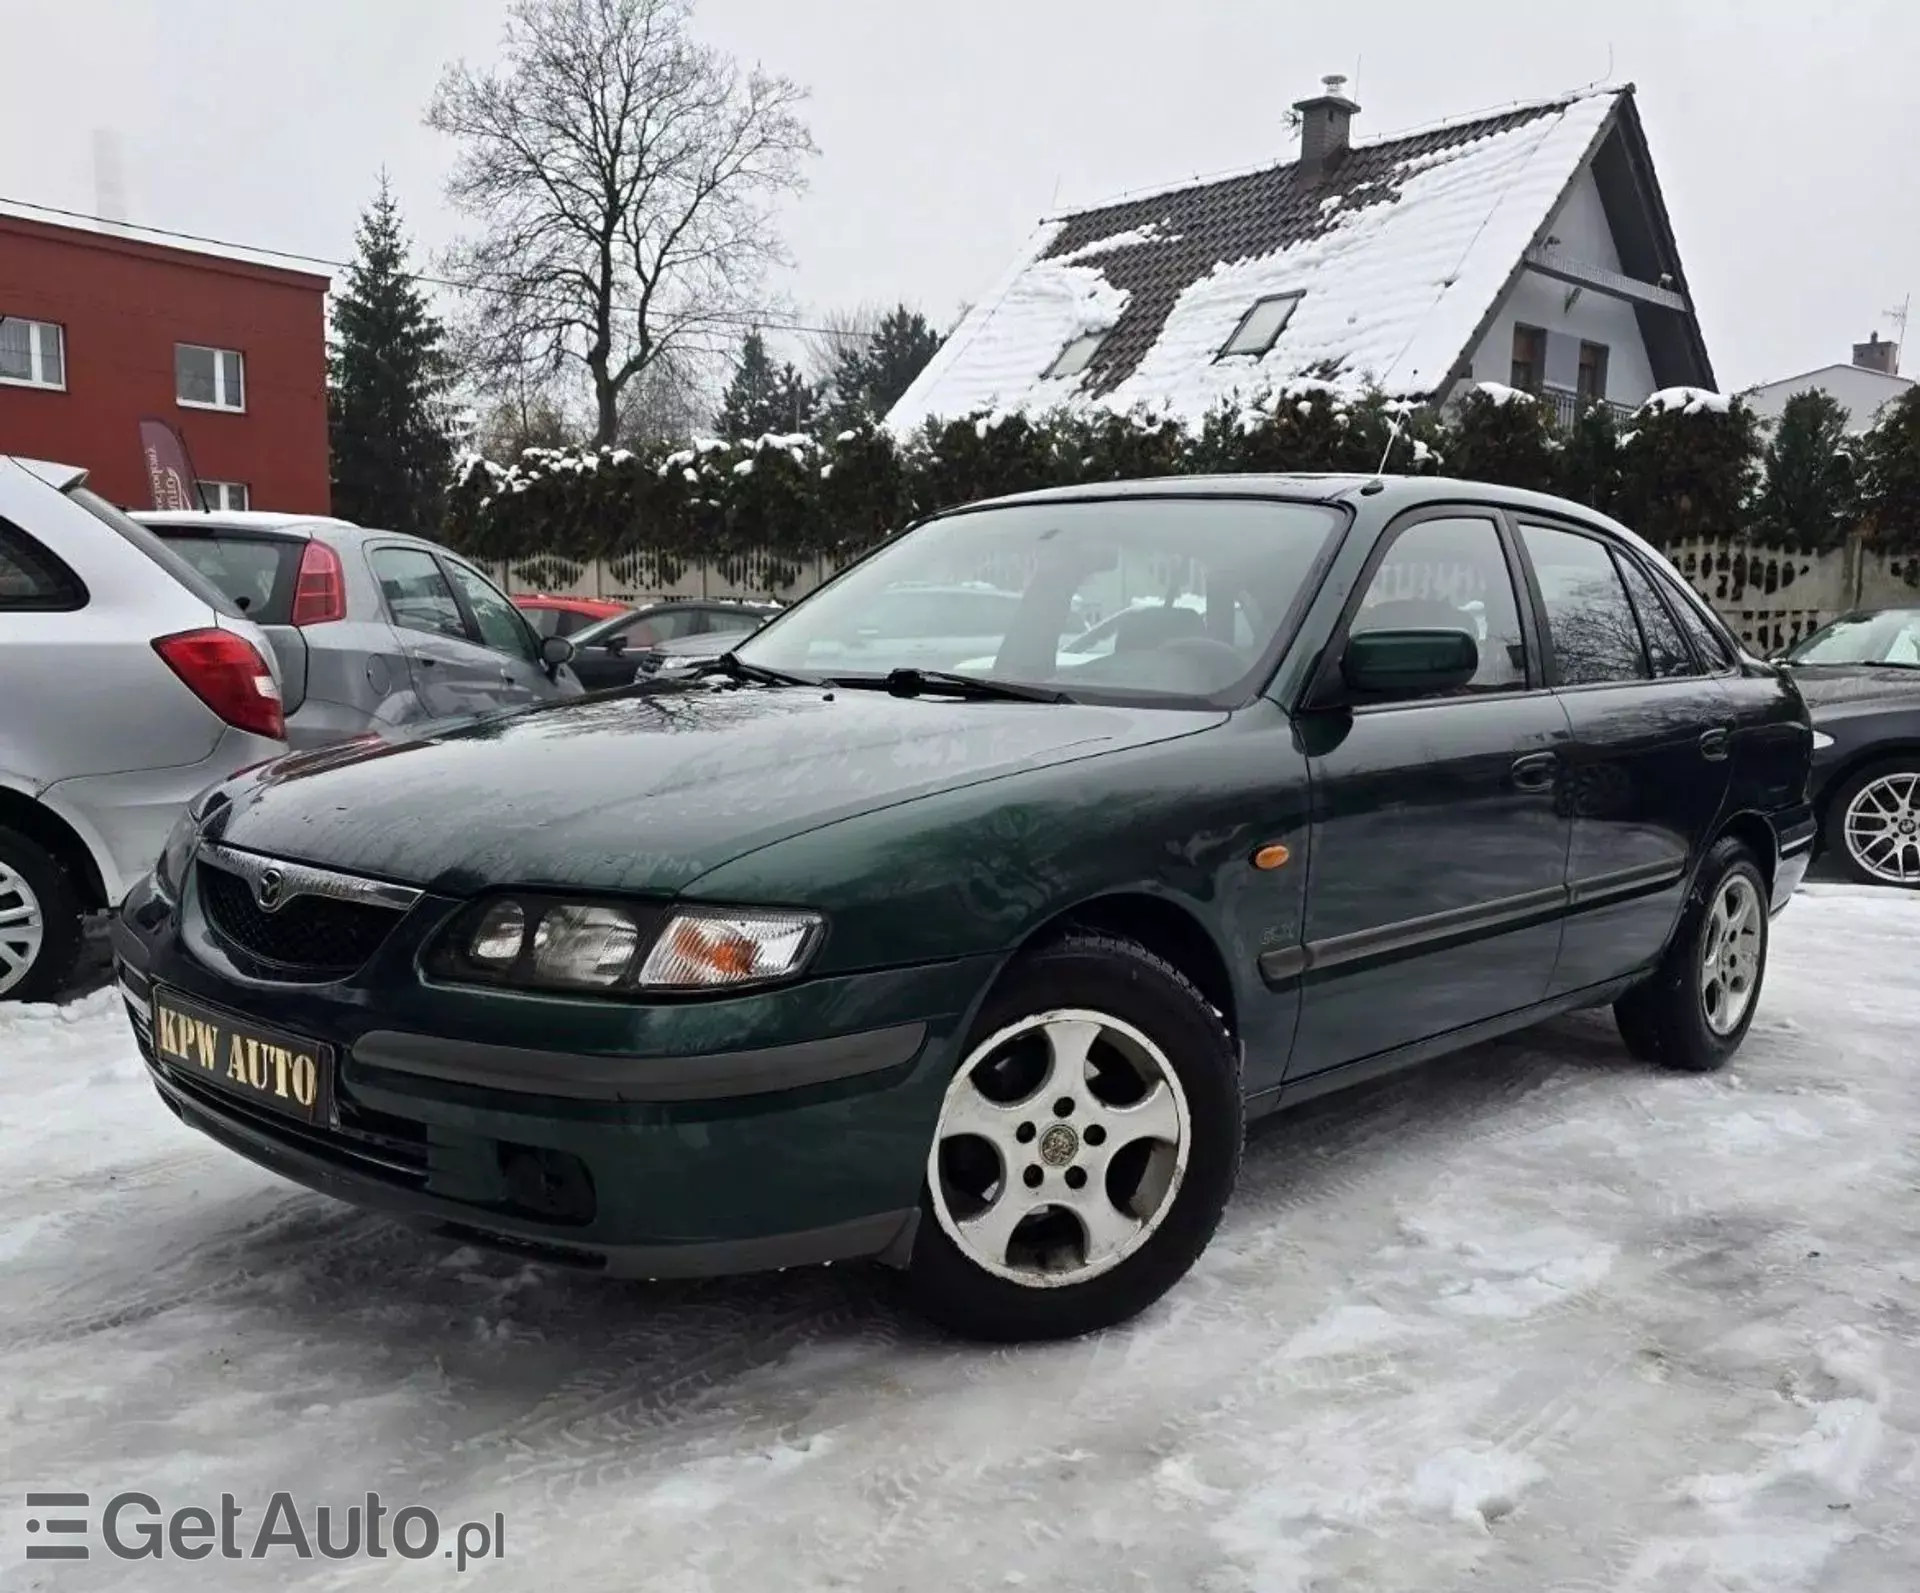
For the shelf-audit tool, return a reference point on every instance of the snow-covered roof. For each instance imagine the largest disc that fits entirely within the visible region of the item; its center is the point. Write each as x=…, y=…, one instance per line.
x=1398, y=250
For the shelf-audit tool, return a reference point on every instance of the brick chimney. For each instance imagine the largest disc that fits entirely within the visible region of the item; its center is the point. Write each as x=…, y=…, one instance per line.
x=1873, y=355
x=1325, y=123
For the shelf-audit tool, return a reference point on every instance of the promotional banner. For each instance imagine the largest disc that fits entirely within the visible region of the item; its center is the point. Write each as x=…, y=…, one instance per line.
x=169, y=475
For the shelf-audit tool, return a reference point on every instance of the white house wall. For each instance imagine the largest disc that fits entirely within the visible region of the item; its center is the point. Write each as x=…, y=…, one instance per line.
x=1860, y=392
x=1585, y=238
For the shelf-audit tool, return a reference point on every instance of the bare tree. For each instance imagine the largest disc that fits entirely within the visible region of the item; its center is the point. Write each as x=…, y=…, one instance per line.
x=623, y=179
x=837, y=336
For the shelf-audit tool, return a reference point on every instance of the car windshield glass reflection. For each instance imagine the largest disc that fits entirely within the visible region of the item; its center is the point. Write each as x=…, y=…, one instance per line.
x=1141, y=599
x=1891, y=637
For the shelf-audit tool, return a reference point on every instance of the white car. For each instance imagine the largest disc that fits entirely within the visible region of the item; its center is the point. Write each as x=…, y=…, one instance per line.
x=128, y=685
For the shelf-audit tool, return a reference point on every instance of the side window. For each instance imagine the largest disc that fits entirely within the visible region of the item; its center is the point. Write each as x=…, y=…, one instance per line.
x=1451, y=574
x=545, y=621
x=417, y=595
x=32, y=579
x=1667, y=649
x=501, y=626
x=1712, y=645
x=1590, y=624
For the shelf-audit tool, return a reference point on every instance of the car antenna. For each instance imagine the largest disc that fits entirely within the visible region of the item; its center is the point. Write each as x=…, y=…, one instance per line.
x=1377, y=481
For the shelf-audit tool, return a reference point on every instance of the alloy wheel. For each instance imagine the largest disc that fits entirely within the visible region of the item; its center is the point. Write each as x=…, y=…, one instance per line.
x=1882, y=828
x=23, y=929
x=1060, y=1149
x=1730, y=954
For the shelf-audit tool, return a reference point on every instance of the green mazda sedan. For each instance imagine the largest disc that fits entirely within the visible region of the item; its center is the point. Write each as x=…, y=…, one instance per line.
x=963, y=916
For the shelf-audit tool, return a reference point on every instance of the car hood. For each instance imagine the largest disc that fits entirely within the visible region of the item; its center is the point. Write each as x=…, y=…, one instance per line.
x=1841, y=687
x=647, y=792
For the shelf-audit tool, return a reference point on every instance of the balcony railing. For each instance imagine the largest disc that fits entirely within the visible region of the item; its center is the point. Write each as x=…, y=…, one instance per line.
x=1567, y=407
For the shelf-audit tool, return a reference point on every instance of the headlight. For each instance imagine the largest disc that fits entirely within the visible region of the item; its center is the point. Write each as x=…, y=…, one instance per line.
x=171, y=868
x=1821, y=741
x=538, y=943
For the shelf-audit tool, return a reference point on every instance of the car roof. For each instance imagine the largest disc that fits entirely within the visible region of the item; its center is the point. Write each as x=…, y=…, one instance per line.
x=57, y=476
x=1392, y=492
x=238, y=520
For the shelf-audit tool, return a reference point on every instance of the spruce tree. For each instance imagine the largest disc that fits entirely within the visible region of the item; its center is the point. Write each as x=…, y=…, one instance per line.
x=1809, y=498
x=763, y=397
x=869, y=380
x=388, y=375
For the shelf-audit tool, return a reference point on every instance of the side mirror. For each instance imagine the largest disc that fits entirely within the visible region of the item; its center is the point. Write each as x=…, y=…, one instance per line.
x=556, y=652
x=615, y=645
x=1408, y=663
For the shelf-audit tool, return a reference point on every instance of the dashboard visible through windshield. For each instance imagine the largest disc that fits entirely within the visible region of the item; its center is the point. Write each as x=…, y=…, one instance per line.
x=1155, y=599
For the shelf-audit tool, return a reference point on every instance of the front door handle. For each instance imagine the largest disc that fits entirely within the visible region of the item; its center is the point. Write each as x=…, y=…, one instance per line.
x=1714, y=744
x=1535, y=772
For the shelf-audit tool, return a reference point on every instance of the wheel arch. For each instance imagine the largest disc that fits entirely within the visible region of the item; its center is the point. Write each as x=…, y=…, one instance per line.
x=45, y=825
x=1862, y=758
x=1166, y=927
x=1757, y=834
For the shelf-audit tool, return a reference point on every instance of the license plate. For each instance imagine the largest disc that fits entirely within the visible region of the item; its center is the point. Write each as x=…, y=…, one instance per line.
x=267, y=1067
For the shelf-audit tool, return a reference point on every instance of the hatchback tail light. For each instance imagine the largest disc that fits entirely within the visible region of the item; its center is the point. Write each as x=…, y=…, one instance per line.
x=320, y=593
x=227, y=673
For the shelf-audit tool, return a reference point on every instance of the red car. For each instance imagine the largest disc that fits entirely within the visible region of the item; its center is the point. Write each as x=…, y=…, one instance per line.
x=562, y=616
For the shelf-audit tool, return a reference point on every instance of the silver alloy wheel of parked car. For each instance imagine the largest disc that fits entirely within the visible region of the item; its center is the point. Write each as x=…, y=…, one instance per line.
x=1093, y=1153
x=1882, y=827
x=1730, y=959
x=23, y=929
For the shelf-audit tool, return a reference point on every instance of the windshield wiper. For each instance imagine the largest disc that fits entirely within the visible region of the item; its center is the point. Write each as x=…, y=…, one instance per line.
x=940, y=682
x=731, y=663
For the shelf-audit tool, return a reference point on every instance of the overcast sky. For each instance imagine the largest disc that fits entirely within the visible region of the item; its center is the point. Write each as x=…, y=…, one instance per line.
x=1783, y=134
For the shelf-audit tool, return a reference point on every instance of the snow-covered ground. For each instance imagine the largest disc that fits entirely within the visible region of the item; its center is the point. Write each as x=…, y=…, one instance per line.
x=1533, y=1319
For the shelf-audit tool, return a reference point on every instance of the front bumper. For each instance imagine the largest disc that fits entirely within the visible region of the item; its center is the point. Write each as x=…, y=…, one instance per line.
x=775, y=1129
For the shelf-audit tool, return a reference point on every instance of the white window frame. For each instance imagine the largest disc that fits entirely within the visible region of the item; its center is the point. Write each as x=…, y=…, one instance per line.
x=220, y=394
x=230, y=495
x=1077, y=355
x=1233, y=348
x=36, y=356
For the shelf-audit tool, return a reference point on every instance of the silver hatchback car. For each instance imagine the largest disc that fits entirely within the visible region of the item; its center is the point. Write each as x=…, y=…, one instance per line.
x=372, y=628
x=128, y=686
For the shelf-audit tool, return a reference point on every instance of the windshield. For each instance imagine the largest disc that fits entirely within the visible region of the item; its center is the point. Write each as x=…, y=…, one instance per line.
x=1889, y=637
x=1141, y=598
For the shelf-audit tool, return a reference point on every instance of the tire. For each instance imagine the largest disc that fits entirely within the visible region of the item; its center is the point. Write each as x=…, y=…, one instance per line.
x=1892, y=788
x=36, y=891
x=1686, y=1015
x=1159, y=1049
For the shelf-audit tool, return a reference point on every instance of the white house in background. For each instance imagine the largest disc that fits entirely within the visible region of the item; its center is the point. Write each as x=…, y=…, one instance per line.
x=1873, y=379
x=1528, y=247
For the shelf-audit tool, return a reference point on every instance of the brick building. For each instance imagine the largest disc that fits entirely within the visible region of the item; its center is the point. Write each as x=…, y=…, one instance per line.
x=104, y=327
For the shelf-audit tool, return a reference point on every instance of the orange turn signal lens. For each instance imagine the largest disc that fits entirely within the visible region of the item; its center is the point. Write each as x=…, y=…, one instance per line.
x=1273, y=856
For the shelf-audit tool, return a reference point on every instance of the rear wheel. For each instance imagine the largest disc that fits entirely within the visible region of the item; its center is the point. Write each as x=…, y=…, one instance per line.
x=1694, y=1010
x=1085, y=1148
x=1873, y=825
x=40, y=921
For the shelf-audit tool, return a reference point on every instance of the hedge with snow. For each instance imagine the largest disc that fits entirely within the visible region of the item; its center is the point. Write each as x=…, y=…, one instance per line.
x=1686, y=464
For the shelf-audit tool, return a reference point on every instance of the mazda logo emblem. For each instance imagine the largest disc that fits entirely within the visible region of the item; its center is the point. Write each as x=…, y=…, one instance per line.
x=268, y=888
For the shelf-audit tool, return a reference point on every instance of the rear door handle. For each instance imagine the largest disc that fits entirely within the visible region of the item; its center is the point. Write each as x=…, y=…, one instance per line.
x=1714, y=744
x=1535, y=772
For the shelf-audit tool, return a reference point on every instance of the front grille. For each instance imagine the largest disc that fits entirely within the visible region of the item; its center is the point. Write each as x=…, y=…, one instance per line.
x=311, y=937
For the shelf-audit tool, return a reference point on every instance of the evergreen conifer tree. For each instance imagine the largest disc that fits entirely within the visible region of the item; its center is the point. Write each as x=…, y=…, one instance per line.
x=388, y=375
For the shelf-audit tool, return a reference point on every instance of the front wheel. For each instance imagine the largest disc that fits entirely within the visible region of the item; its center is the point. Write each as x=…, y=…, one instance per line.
x=1694, y=1010
x=1873, y=825
x=1085, y=1148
